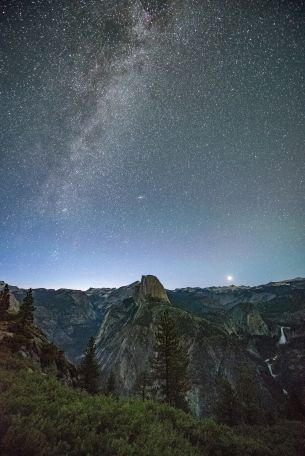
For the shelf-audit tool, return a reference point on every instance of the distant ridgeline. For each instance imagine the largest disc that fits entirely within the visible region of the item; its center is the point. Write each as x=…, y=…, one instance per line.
x=225, y=330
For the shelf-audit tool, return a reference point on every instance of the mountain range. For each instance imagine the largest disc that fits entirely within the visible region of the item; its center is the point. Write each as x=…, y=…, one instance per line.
x=223, y=328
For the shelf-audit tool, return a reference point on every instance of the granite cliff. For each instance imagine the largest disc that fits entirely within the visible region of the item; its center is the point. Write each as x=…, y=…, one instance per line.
x=68, y=317
x=126, y=339
x=151, y=288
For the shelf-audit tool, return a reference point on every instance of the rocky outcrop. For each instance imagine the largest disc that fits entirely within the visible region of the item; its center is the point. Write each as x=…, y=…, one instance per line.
x=67, y=317
x=14, y=303
x=151, y=288
x=116, y=341
x=245, y=319
x=31, y=343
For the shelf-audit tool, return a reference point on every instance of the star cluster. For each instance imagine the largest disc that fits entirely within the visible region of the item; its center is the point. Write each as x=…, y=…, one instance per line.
x=162, y=137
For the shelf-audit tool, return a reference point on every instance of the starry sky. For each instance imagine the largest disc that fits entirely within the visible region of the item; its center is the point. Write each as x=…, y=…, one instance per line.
x=161, y=137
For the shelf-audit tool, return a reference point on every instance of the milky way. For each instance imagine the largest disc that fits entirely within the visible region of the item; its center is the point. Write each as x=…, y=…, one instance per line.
x=151, y=137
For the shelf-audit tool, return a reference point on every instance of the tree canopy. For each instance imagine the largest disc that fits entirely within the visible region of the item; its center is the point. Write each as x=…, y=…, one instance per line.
x=170, y=363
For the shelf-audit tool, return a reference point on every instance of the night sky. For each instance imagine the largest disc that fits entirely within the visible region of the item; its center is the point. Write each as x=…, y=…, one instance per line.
x=151, y=137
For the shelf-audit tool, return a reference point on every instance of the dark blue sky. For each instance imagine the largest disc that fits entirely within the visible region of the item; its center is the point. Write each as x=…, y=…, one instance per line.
x=151, y=137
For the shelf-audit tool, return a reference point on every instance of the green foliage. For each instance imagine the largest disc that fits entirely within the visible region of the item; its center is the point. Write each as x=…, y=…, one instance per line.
x=50, y=354
x=294, y=408
x=40, y=416
x=4, y=302
x=16, y=342
x=241, y=406
x=143, y=385
x=89, y=369
x=170, y=363
x=26, y=313
x=110, y=386
x=250, y=409
x=285, y=438
x=227, y=406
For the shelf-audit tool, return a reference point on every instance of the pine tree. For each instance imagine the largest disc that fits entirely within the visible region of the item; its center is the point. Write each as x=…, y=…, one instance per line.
x=89, y=370
x=294, y=406
x=226, y=408
x=110, y=386
x=26, y=313
x=4, y=302
x=143, y=384
x=251, y=412
x=170, y=363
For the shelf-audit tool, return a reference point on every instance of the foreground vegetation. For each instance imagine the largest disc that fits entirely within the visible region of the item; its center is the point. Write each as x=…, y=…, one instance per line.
x=41, y=416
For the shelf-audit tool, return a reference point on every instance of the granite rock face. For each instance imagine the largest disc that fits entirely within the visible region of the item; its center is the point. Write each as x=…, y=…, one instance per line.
x=151, y=288
x=246, y=319
x=223, y=328
x=125, y=346
x=67, y=317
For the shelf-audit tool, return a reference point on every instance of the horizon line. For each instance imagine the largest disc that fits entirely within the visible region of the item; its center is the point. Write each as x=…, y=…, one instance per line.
x=228, y=285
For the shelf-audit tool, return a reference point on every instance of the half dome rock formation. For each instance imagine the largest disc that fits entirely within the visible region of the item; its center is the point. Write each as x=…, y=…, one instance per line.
x=151, y=287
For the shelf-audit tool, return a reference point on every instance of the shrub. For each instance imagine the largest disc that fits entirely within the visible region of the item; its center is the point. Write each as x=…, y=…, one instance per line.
x=40, y=416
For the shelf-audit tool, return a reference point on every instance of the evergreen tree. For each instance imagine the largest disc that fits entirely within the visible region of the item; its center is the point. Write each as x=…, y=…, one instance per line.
x=294, y=406
x=110, y=386
x=89, y=370
x=4, y=302
x=26, y=313
x=170, y=363
x=251, y=412
x=143, y=384
x=227, y=407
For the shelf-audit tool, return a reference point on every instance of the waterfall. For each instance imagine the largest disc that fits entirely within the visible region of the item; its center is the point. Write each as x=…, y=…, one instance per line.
x=283, y=339
x=267, y=361
x=270, y=370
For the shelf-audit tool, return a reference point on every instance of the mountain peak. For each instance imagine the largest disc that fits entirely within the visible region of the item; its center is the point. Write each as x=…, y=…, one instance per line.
x=151, y=287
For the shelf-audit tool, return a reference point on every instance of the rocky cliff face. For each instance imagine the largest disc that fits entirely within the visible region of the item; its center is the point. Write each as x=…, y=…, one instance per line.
x=151, y=288
x=245, y=319
x=223, y=328
x=125, y=339
x=67, y=317
x=31, y=343
x=125, y=346
x=118, y=334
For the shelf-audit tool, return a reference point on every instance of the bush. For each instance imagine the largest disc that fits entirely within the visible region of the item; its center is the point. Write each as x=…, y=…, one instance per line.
x=40, y=416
